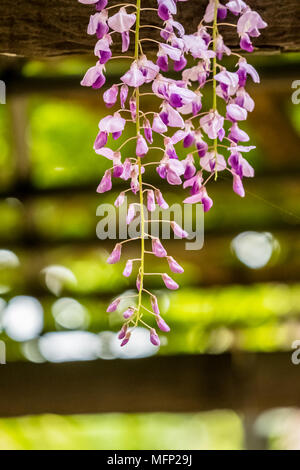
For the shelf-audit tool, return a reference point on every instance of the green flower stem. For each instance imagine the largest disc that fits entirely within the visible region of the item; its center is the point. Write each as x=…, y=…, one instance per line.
x=215, y=34
x=138, y=128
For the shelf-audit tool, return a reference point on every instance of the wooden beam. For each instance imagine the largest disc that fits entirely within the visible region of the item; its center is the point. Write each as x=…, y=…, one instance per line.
x=243, y=382
x=274, y=78
x=37, y=29
x=263, y=182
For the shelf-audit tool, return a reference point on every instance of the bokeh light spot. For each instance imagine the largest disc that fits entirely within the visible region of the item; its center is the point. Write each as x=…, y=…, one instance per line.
x=254, y=249
x=23, y=318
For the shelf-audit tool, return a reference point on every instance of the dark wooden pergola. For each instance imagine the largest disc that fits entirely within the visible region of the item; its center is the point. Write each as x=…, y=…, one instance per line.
x=245, y=383
x=38, y=29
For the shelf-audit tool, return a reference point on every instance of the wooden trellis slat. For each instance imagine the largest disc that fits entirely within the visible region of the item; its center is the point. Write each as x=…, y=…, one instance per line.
x=39, y=29
x=274, y=78
x=242, y=382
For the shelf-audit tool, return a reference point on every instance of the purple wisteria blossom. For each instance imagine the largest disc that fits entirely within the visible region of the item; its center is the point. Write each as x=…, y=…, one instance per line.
x=184, y=119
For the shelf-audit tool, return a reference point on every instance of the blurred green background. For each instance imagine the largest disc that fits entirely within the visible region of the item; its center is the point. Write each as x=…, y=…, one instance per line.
x=241, y=292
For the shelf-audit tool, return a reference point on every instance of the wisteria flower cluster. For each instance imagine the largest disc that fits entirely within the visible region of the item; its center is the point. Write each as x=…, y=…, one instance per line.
x=179, y=120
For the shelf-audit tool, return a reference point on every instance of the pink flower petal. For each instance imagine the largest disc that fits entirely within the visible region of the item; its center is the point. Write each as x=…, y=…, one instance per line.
x=121, y=21
x=133, y=77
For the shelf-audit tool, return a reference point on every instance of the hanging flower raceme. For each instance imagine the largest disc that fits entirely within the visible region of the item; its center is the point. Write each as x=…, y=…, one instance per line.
x=181, y=121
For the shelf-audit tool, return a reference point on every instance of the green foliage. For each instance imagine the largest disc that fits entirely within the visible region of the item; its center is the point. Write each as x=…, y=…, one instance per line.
x=6, y=161
x=61, y=150
x=220, y=430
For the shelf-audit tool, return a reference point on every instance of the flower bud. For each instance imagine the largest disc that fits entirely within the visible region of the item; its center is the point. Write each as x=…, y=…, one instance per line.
x=179, y=232
x=128, y=313
x=120, y=200
x=158, y=249
x=238, y=187
x=174, y=266
x=169, y=282
x=132, y=107
x=141, y=146
x=130, y=214
x=154, y=305
x=123, y=331
x=110, y=96
x=148, y=131
x=154, y=337
x=105, y=184
x=123, y=95
x=160, y=200
x=113, y=306
x=128, y=268
x=162, y=325
x=126, y=339
x=115, y=254
x=150, y=201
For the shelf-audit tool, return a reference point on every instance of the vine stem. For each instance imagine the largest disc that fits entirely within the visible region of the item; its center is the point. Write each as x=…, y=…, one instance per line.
x=121, y=5
x=138, y=128
x=215, y=33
